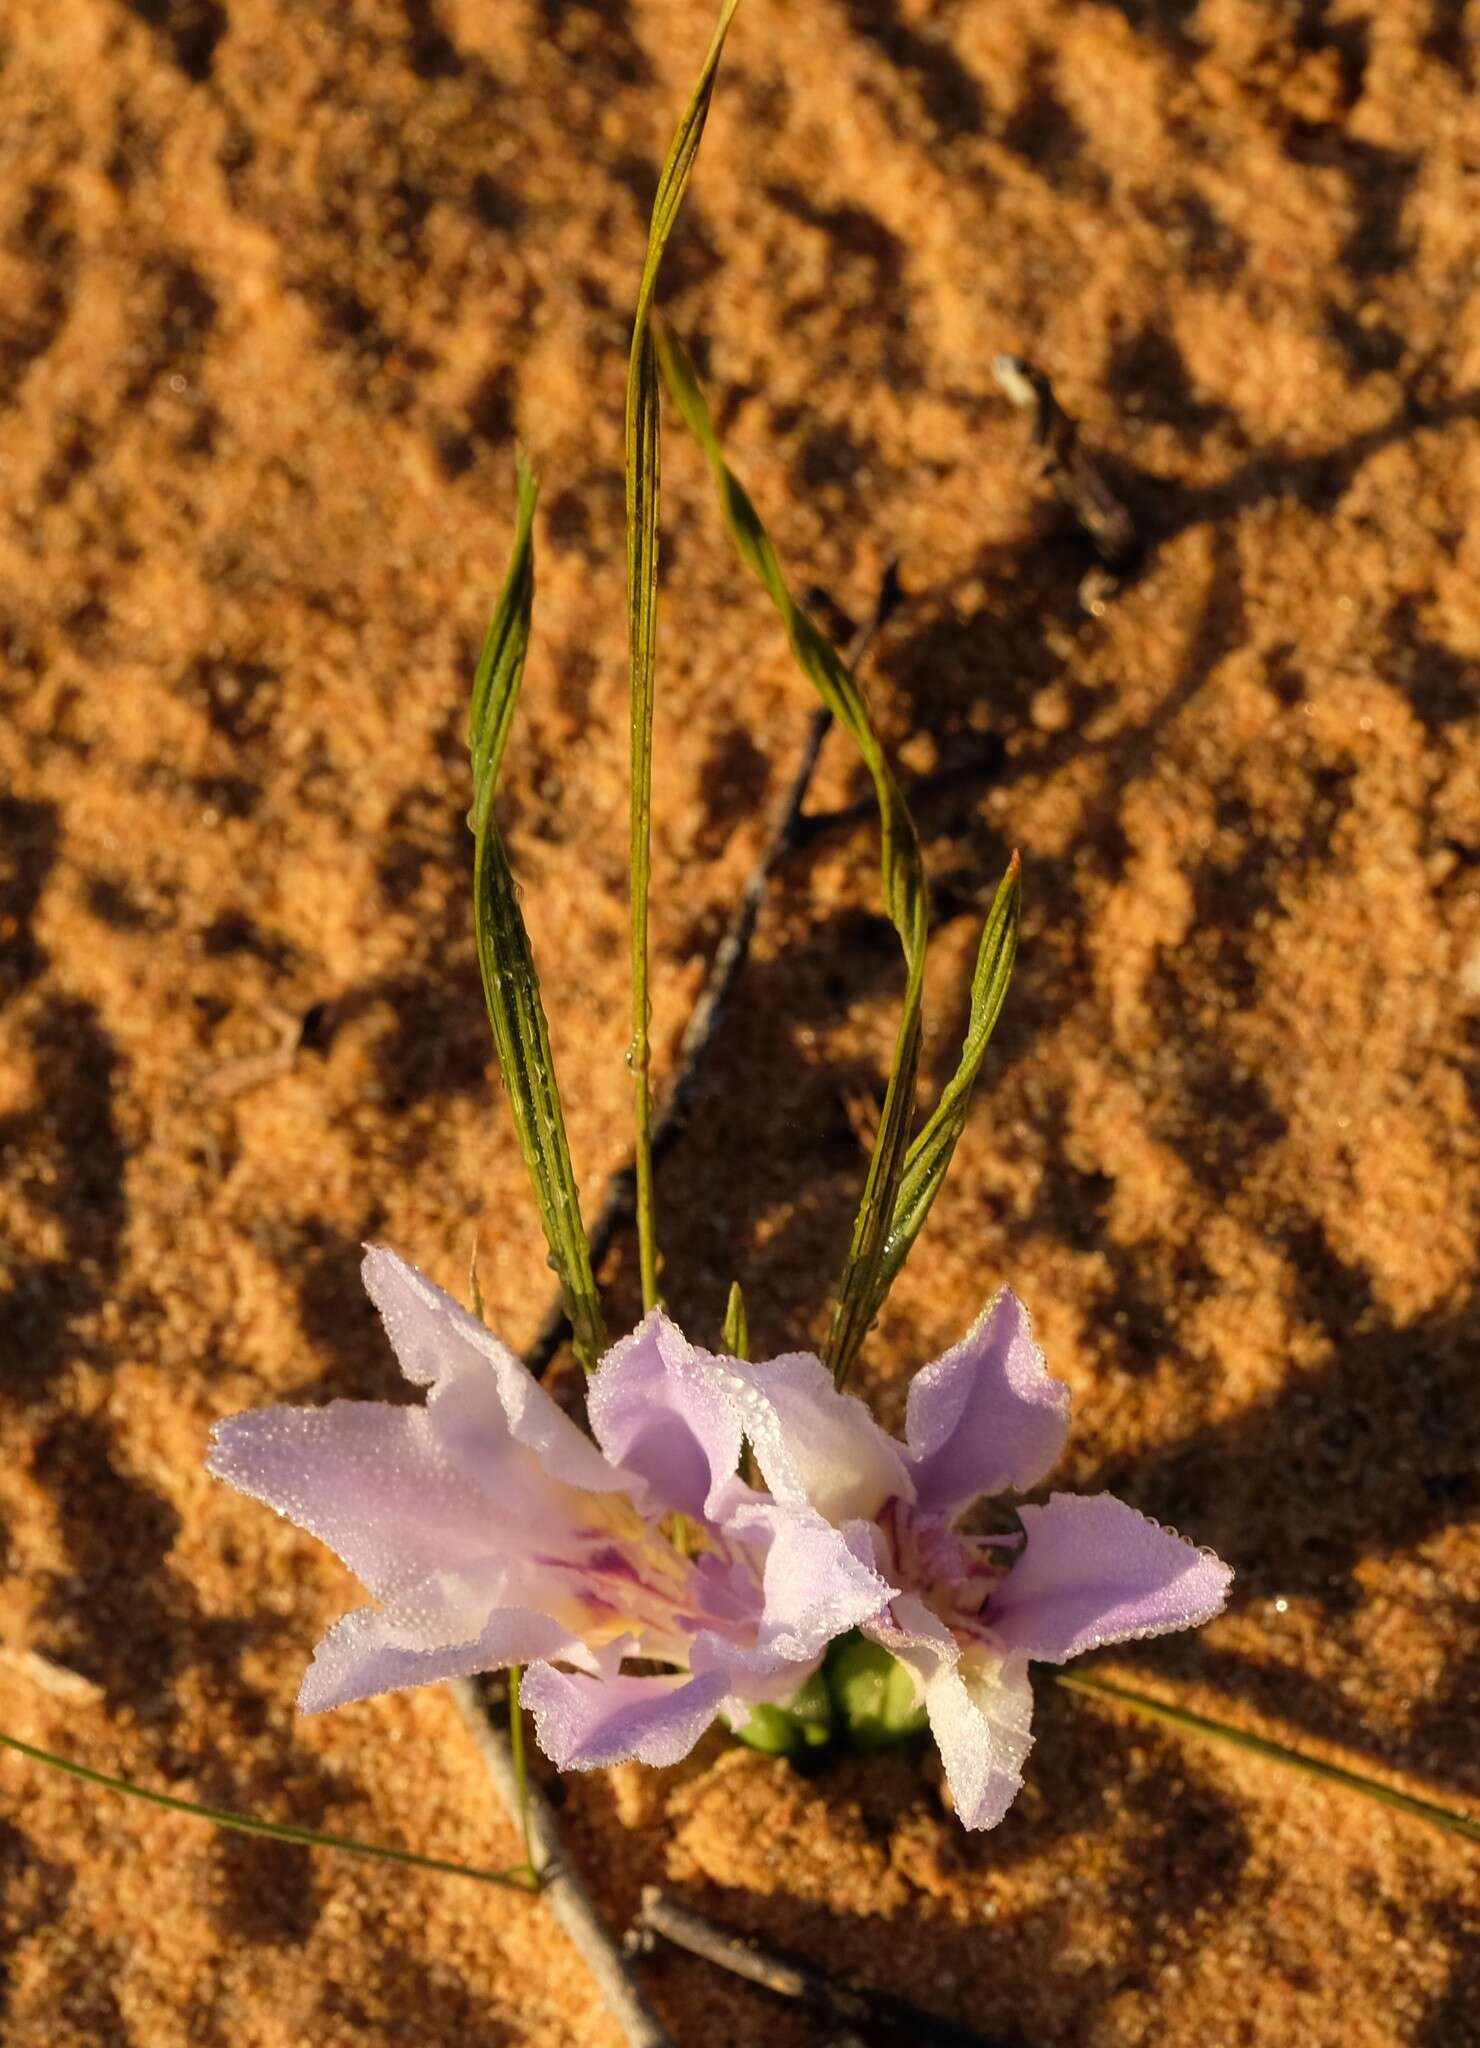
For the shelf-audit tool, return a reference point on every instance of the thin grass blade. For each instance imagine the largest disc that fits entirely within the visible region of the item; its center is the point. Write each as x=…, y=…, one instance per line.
x=1206, y=1730
x=510, y=984
x=643, y=486
x=520, y=1878
x=859, y=1291
x=929, y=1156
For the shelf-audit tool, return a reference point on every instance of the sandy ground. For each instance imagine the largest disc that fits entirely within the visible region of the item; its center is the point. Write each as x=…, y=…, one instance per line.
x=279, y=286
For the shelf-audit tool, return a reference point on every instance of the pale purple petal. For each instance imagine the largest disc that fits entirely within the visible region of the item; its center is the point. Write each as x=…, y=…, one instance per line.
x=980, y=1707
x=814, y=1445
x=751, y=1679
x=441, y=1346
x=658, y=1410
x=986, y=1416
x=401, y=1492
x=371, y=1481
x=583, y=1723
x=815, y=1582
x=445, y=1627
x=981, y=1715
x=1095, y=1571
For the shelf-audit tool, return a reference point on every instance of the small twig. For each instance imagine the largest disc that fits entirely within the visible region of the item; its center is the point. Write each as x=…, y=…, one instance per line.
x=876, y=2012
x=235, y=1077
x=570, y=1903
x=730, y=956
x=1067, y=463
x=60, y=1680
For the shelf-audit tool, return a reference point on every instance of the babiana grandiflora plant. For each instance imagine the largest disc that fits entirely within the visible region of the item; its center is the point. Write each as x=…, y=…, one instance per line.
x=823, y=1584
x=744, y=1532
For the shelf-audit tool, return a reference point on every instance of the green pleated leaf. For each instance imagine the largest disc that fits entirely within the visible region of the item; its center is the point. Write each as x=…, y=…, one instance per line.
x=860, y=1290
x=642, y=464
x=929, y=1155
x=510, y=984
x=1205, y=1729
x=518, y=1879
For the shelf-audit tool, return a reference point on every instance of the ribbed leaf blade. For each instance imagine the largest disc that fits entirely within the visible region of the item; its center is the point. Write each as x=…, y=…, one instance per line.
x=859, y=1291
x=511, y=986
x=929, y=1155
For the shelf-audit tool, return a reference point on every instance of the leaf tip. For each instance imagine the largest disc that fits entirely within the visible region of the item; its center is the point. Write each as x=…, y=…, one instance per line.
x=526, y=482
x=736, y=1338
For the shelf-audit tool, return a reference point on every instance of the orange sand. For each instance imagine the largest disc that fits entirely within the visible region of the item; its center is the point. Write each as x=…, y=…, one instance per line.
x=279, y=284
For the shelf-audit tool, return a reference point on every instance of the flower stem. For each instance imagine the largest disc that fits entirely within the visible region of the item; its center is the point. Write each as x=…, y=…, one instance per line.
x=521, y=1762
x=642, y=467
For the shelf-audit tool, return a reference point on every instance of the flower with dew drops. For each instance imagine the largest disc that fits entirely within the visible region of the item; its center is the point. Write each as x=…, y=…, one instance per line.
x=492, y=1532
x=967, y=1614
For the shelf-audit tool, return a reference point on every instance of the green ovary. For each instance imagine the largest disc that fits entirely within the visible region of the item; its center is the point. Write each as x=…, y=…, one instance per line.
x=862, y=1697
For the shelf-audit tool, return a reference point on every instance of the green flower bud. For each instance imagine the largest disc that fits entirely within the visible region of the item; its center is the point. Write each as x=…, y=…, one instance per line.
x=873, y=1694
x=805, y=1723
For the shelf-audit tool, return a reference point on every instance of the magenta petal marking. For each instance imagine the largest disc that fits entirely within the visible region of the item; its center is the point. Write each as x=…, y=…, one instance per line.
x=986, y=1415
x=1096, y=1571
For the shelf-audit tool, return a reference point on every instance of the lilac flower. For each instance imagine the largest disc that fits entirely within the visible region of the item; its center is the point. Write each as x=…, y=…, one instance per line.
x=968, y=1613
x=492, y=1532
